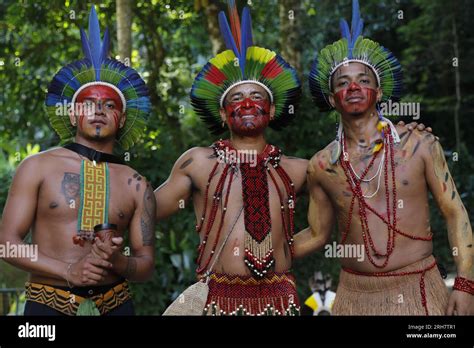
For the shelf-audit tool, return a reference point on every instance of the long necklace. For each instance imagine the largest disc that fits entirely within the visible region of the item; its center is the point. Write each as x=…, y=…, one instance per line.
x=355, y=184
x=258, y=245
x=378, y=173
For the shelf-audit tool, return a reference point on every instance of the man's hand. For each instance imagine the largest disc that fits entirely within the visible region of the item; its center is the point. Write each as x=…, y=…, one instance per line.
x=89, y=270
x=460, y=303
x=108, y=249
x=411, y=126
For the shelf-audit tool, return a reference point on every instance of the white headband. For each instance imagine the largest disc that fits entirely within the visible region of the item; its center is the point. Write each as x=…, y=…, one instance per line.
x=347, y=61
x=221, y=101
x=99, y=83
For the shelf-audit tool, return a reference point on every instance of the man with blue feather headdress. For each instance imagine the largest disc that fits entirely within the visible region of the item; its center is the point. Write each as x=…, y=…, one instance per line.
x=80, y=199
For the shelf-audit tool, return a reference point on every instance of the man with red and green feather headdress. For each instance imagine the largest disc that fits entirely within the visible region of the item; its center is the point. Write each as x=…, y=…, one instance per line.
x=243, y=188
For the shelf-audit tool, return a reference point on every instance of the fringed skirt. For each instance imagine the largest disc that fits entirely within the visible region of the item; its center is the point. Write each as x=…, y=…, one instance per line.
x=275, y=294
x=416, y=289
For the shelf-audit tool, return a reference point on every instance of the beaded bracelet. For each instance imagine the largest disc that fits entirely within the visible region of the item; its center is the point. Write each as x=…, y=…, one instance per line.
x=463, y=284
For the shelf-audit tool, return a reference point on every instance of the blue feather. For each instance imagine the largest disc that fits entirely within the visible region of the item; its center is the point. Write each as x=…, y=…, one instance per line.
x=95, y=42
x=104, y=53
x=359, y=29
x=86, y=49
x=227, y=34
x=246, y=38
x=357, y=24
x=247, y=27
x=355, y=16
x=345, y=33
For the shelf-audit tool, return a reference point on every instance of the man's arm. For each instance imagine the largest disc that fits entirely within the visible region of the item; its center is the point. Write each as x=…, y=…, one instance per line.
x=17, y=219
x=449, y=202
x=140, y=265
x=320, y=217
x=177, y=188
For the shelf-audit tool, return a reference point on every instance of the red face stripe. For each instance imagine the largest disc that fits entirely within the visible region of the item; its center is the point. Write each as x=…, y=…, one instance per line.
x=100, y=92
x=248, y=117
x=100, y=95
x=355, y=99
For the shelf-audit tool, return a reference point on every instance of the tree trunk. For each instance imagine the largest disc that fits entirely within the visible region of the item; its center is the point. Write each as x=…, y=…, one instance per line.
x=124, y=30
x=290, y=12
x=211, y=10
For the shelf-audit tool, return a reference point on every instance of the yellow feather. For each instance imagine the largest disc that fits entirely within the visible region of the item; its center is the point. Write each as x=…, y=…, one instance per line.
x=223, y=58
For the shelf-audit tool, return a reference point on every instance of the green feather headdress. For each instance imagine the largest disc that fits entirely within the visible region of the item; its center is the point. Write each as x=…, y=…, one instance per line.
x=241, y=63
x=353, y=47
x=97, y=69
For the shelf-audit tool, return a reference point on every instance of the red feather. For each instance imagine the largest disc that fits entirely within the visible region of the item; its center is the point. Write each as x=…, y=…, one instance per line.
x=215, y=76
x=272, y=69
x=234, y=22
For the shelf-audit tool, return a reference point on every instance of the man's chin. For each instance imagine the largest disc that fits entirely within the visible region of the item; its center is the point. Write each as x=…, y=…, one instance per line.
x=248, y=132
x=356, y=114
x=94, y=136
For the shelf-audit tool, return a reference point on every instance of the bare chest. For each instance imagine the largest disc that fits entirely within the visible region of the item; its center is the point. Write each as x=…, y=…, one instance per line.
x=60, y=199
x=406, y=178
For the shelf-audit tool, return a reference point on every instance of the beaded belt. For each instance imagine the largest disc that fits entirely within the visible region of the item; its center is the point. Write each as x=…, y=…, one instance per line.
x=67, y=302
x=275, y=294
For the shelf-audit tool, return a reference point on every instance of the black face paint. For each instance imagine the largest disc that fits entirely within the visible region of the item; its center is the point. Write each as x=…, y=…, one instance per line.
x=97, y=131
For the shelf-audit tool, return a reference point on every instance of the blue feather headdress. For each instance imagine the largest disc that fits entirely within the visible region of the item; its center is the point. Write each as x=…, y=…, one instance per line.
x=98, y=69
x=243, y=62
x=353, y=47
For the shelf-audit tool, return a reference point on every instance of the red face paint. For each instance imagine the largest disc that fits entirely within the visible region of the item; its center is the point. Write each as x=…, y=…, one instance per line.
x=101, y=94
x=355, y=99
x=248, y=117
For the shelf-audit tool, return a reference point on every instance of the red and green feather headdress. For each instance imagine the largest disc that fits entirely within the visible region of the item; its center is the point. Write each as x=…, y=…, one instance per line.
x=243, y=62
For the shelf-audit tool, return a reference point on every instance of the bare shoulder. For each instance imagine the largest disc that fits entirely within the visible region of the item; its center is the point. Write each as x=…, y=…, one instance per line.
x=136, y=183
x=416, y=141
x=407, y=135
x=41, y=162
x=296, y=168
x=199, y=152
x=295, y=164
x=324, y=159
x=195, y=157
x=127, y=171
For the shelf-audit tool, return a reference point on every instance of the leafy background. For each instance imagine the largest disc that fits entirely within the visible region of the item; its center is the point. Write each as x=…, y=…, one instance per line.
x=172, y=40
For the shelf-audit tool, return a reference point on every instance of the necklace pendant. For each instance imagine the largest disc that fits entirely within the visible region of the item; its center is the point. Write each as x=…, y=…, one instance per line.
x=336, y=153
x=94, y=163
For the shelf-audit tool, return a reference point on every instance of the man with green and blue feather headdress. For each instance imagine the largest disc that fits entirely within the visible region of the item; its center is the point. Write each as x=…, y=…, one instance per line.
x=374, y=180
